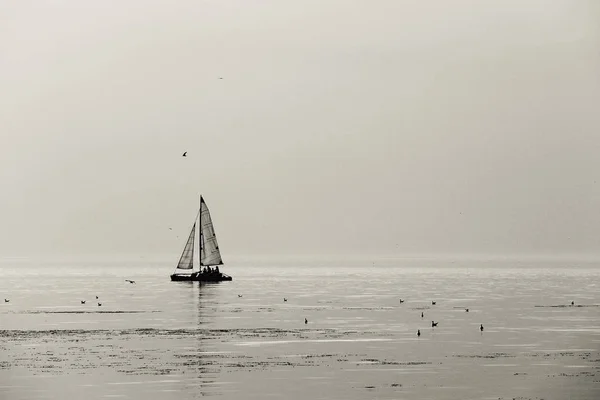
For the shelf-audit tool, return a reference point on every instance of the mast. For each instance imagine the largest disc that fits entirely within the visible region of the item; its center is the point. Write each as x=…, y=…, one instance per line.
x=200, y=236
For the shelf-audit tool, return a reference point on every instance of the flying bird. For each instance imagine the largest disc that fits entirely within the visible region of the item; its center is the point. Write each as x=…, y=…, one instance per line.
x=239, y=295
x=184, y=154
x=433, y=324
x=129, y=280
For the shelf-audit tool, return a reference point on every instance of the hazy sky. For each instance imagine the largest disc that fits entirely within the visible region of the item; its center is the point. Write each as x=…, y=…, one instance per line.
x=339, y=127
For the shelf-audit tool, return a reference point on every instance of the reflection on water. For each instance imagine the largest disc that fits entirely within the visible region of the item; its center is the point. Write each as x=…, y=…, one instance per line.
x=160, y=340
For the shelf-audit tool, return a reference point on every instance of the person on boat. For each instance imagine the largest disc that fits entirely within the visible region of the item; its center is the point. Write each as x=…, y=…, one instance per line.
x=217, y=270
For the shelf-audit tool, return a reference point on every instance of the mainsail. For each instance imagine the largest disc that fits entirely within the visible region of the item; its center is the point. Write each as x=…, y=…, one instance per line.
x=209, y=250
x=187, y=257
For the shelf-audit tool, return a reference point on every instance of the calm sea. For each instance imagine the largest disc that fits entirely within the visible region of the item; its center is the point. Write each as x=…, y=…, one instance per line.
x=157, y=339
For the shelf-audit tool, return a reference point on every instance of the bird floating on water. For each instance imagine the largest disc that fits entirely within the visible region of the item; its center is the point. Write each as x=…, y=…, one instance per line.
x=96, y=297
x=434, y=324
x=284, y=299
x=239, y=295
x=184, y=154
x=129, y=280
x=82, y=301
x=572, y=303
x=401, y=301
x=433, y=303
x=305, y=321
x=418, y=332
x=481, y=327
x=466, y=310
x=99, y=304
x=6, y=300
x=422, y=315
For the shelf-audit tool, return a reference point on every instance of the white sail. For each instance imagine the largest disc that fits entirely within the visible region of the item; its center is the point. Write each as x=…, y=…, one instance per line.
x=187, y=257
x=209, y=253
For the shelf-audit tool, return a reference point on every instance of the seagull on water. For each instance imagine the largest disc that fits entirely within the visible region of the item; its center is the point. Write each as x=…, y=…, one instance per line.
x=418, y=332
x=481, y=327
x=433, y=303
x=82, y=301
x=99, y=304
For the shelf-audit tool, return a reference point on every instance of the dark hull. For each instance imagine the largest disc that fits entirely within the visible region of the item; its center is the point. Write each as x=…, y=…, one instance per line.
x=201, y=278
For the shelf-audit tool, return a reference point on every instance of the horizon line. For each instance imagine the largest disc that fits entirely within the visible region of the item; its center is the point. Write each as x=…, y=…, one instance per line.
x=330, y=256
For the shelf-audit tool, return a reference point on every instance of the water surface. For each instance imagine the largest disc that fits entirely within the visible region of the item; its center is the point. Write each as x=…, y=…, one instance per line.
x=158, y=339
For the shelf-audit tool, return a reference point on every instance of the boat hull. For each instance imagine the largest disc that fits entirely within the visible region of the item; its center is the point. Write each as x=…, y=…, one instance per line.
x=201, y=278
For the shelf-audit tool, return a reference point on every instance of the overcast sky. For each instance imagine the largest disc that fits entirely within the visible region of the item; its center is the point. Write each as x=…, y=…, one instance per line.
x=339, y=127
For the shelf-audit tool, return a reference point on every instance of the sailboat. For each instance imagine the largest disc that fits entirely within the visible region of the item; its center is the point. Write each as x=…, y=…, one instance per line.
x=210, y=255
